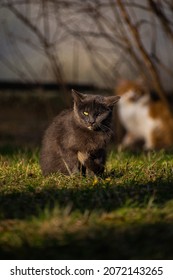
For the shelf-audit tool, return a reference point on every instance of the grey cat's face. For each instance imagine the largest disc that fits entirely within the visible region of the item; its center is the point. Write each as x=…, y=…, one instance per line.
x=93, y=112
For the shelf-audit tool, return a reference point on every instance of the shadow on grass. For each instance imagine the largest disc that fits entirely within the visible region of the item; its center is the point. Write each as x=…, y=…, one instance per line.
x=20, y=203
x=149, y=241
x=11, y=151
x=30, y=202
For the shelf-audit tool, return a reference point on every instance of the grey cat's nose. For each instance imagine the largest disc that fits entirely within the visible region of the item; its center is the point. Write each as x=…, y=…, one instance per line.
x=91, y=120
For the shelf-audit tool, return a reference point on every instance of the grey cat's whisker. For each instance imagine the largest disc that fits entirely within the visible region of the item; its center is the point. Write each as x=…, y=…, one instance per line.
x=66, y=165
x=105, y=126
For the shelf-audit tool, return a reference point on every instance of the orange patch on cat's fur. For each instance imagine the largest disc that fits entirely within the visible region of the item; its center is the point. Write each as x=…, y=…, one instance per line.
x=162, y=137
x=126, y=85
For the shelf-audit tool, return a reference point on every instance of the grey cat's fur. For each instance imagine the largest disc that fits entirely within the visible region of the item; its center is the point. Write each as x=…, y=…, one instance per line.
x=77, y=141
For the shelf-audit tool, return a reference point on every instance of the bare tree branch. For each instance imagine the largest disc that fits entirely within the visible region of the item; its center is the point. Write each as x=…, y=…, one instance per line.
x=111, y=34
x=158, y=11
x=148, y=62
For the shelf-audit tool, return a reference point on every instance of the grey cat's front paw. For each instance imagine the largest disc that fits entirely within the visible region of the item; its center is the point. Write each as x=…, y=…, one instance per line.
x=82, y=157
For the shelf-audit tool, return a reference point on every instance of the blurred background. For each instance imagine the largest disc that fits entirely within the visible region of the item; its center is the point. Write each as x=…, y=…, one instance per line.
x=48, y=47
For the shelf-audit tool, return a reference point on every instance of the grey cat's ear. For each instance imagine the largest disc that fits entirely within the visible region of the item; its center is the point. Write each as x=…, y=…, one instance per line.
x=77, y=96
x=110, y=101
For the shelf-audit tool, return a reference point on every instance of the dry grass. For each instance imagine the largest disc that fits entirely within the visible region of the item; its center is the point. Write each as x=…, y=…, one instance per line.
x=127, y=214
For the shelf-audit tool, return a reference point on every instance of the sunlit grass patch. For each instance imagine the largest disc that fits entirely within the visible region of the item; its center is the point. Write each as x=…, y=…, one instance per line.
x=127, y=213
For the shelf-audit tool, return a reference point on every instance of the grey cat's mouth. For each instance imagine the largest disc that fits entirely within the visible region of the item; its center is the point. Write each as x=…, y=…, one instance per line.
x=92, y=127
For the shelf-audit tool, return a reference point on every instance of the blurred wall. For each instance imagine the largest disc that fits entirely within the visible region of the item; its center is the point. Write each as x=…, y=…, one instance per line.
x=84, y=53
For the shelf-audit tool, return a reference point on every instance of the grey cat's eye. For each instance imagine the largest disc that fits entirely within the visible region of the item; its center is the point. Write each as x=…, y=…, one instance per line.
x=98, y=114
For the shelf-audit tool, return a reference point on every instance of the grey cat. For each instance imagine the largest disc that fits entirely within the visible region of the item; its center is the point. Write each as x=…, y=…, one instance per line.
x=77, y=138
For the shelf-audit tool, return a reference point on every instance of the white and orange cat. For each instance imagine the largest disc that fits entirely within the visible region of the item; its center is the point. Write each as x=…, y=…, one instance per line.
x=143, y=117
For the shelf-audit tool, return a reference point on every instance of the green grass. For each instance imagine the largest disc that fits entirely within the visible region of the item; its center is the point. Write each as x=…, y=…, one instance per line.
x=128, y=214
